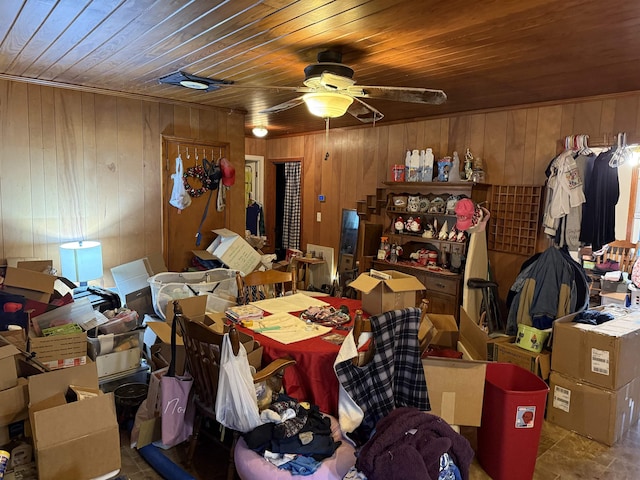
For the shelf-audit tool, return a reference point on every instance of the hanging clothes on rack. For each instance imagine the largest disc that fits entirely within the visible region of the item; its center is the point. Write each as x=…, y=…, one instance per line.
x=599, y=211
x=565, y=194
x=255, y=219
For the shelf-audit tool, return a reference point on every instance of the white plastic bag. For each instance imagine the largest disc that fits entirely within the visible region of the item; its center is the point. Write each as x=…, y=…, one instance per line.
x=179, y=196
x=236, y=401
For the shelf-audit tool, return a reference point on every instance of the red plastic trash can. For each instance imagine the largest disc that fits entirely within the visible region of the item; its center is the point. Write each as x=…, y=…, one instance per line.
x=512, y=416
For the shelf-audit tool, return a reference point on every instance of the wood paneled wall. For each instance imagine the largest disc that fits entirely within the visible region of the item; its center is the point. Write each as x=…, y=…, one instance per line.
x=516, y=146
x=76, y=165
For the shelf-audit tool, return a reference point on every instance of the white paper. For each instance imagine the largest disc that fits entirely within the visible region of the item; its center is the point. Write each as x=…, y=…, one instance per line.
x=286, y=328
x=290, y=303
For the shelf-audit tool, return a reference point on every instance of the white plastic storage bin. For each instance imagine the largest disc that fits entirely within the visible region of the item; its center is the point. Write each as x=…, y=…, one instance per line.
x=219, y=284
x=635, y=296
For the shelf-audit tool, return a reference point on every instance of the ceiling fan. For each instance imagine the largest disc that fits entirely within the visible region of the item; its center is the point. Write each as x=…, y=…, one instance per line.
x=329, y=90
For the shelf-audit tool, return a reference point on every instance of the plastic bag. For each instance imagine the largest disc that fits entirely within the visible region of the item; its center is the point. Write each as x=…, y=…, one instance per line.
x=179, y=196
x=236, y=400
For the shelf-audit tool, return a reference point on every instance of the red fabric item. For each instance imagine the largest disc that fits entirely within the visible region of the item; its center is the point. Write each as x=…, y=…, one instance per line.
x=436, y=351
x=312, y=378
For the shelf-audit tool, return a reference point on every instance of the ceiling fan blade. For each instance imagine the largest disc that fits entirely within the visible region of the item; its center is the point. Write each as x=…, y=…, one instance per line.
x=364, y=112
x=283, y=106
x=400, y=94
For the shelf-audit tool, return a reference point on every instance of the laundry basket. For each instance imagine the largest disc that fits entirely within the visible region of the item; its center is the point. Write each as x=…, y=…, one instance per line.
x=219, y=284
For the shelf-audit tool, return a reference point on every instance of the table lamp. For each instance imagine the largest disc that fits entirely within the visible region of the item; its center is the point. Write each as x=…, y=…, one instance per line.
x=81, y=261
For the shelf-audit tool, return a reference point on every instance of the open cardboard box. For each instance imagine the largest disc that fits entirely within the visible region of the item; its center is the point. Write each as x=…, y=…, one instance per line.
x=475, y=343
x=73, y=440
x=232, y=250
x=380, y=295
x=29, y=283
x=444, y=330
x=456, y=389
x=132, y=279
x=8, y=370
x=159, y=340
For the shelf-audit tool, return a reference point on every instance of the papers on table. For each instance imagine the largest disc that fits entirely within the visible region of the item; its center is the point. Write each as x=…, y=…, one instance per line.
x=286, y=328
x=291, y=303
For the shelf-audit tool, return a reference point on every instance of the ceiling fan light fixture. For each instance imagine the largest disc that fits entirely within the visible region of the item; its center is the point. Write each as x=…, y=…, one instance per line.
x=260, y=131
x=194, y=84
x=327, y=104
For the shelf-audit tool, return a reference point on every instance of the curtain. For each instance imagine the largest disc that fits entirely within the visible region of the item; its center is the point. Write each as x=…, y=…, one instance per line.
x=291, y=220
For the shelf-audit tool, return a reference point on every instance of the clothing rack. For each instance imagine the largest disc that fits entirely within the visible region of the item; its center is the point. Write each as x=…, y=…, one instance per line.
x=602, y=140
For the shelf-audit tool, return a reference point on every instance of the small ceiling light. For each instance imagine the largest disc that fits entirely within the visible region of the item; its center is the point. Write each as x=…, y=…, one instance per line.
x=260, y=131
x=327, y=104
x=194, y=84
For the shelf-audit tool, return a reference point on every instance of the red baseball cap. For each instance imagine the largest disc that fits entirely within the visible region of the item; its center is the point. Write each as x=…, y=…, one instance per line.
x=228, y=172
x=465, y=209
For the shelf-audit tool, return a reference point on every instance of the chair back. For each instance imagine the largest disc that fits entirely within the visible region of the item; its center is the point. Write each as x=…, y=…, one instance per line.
x=202, y=348
x=267, y=284
x=622, y=252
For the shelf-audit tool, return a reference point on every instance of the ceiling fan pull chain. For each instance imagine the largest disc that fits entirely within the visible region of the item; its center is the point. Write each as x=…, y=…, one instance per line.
x=326, y=138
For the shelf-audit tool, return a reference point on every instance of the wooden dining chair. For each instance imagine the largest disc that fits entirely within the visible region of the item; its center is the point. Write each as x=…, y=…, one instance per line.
x=203, y=347
x=622, y=252
x=267, y=284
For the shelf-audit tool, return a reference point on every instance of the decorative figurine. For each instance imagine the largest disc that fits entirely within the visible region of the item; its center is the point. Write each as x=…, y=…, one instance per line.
x=468, y=165
x=454, y=172
x=399, y=225
x=444, y=231
x=444, y=165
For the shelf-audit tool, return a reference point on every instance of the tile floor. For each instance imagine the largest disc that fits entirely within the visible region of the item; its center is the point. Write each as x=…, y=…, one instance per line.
x=562, y=455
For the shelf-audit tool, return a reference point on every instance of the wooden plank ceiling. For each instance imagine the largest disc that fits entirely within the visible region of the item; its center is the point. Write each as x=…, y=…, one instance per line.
x=483, y=54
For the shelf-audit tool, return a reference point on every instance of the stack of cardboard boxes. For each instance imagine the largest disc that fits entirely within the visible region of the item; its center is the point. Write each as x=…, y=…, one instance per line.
x=595, y=378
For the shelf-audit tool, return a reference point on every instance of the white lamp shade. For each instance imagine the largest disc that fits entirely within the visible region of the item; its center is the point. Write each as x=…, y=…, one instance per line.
x=327, y=104
x=81, y=261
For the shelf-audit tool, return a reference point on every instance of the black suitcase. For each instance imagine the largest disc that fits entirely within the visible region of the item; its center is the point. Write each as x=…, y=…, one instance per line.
x=101, y=299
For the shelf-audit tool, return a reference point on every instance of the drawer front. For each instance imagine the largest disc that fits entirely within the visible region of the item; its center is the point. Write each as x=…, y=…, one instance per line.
x=442, y=284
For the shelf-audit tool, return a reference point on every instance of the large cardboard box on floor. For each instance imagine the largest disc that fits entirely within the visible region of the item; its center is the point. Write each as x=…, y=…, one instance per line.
x=232, y=250
x=80, y=439
x=382, y=295
x=475, y=343
x=605, y=355
x=597, y=413
x=456, y=389
x=538, y=363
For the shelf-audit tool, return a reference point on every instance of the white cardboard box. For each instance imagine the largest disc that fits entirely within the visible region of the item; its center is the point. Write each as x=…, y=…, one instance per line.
x=232, y=250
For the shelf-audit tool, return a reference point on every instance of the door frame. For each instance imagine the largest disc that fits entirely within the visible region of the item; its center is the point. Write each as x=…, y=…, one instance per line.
x=270, y=198
x=258, y=183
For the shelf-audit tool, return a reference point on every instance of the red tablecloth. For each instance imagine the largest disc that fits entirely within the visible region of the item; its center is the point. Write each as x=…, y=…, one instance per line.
x=312, y=378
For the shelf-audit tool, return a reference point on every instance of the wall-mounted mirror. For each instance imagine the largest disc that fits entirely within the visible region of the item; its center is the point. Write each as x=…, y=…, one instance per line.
x=348, y=240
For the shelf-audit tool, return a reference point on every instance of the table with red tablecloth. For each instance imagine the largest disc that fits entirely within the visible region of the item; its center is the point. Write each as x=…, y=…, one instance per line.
x=312, y=378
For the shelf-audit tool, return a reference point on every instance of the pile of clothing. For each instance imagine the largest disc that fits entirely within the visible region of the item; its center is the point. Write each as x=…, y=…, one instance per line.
x=295, y=437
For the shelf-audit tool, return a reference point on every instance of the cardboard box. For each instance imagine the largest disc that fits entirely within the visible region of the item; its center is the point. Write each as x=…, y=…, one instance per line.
x=605, y=355
x=537, y=363
x=60, y=351
x=14, y=403
x=132, y=277
x=380, y=296
x=30, y=284
x=73, y=440
x=597, y=413
x=456, y=389
x=8, y=370
x=445, y=330
x=475, y=343
x=232, y=250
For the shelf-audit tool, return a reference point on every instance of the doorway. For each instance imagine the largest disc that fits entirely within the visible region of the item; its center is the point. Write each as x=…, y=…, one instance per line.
x=283, y=205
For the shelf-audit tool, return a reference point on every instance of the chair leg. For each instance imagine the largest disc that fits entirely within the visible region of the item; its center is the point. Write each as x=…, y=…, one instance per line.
x=193, y=441
x=231, y=470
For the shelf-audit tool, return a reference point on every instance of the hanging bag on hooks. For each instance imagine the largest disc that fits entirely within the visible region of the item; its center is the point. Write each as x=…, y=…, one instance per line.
x=179, y=196
x=213, y=171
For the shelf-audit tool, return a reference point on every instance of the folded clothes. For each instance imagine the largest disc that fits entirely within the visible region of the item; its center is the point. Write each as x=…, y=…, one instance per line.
x=593, y=317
